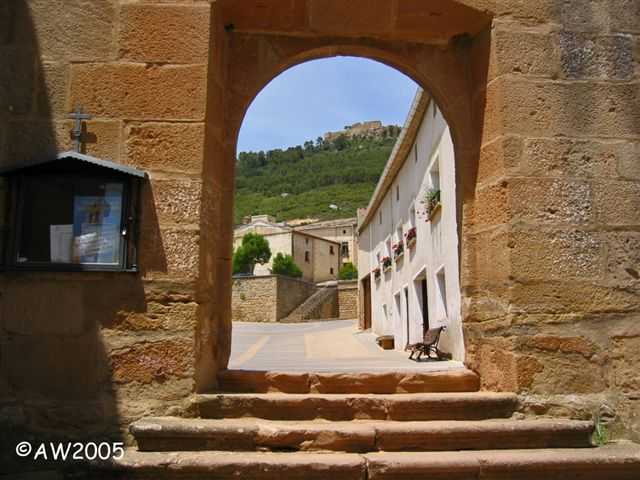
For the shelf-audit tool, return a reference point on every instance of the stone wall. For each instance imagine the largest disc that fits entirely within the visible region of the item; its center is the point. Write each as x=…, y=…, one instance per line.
x=550, y=249
x=267, y=298
x=348, y=299
x=542, y=99
x=84, y=354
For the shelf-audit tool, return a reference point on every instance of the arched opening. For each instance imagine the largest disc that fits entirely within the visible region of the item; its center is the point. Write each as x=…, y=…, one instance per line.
x=290, y=310
x=247, y=59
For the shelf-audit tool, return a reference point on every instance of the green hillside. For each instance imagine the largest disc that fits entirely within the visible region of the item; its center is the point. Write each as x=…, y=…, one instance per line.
x=302, y=181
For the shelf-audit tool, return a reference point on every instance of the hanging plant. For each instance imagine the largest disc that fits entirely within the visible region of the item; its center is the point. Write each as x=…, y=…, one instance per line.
x=411, y=237
x=386, y=263
x=431, y=202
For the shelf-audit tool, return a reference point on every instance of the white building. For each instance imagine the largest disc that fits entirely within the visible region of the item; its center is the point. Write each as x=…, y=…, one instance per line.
x=419, y=287
x=317, y=257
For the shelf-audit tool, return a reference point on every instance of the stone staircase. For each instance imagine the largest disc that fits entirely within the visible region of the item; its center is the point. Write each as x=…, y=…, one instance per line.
x=367, y=426
x=323, y=304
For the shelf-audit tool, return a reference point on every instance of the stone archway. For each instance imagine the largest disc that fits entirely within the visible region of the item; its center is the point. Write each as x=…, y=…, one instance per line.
x=247, y=56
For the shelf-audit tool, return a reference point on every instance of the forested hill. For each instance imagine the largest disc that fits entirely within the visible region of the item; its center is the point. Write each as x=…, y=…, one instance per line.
x=303, y=181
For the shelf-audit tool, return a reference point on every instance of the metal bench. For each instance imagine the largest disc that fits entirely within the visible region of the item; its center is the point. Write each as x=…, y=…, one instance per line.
x=428, y=345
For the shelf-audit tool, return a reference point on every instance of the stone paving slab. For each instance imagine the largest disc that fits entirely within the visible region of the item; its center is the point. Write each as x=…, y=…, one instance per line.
x=326, y=346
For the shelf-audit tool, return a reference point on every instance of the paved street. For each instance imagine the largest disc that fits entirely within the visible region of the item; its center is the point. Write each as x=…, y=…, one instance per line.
x=335, y=345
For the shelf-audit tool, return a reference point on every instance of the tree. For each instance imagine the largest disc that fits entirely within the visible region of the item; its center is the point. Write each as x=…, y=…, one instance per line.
x=254, y=249
x=348, y=272
x=284, y=265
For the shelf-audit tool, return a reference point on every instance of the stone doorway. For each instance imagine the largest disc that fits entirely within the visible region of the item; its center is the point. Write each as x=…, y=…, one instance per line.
x=444, y=51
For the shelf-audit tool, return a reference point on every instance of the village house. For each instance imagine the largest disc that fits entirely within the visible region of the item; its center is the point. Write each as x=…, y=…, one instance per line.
x=317, y=257
x=343, y=231
x=408, y=260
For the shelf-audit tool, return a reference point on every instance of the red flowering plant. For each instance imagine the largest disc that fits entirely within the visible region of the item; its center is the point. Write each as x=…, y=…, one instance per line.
x=386, y=263
x=398, y=249
x=410, y=236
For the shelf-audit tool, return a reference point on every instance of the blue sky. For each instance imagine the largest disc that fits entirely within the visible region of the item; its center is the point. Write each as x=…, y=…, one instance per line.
x=324, y=95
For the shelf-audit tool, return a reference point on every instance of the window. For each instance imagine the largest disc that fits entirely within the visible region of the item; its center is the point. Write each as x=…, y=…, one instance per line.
x=415, y=153
x=331, y=250
x=344, y=232
x=73, y=215
x=306, y=241
x=306, y=256
x=344, y=249
x=380, y=216
x=397, y=193
x=331, y=271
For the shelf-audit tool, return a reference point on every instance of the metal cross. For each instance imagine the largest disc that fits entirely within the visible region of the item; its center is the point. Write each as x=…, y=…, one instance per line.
x=76, y=134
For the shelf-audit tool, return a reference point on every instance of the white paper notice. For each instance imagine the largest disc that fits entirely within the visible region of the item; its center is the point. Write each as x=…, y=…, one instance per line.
x=61, y=238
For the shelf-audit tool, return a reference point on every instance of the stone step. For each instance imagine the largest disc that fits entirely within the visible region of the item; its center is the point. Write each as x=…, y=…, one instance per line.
x=250, y=381
x=180, y=434
x=614, y=462
x=399, y=406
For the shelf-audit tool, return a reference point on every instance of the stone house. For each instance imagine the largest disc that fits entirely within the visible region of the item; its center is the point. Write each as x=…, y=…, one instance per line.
x=317, y=257
x=408, y=260
x=343, y=231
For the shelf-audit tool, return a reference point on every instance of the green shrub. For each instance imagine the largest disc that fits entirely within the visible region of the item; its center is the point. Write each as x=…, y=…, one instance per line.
x=254, y=249
x=284, y=265
x=348, y=272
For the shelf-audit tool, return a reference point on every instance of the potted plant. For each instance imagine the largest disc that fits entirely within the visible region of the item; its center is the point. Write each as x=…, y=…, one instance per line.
x=398, y=250
x=411, y=237
x=376, y=273
x=386, y=264
x=431, y=202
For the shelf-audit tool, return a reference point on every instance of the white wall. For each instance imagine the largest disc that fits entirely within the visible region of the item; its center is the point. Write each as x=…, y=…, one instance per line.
x=436, y=247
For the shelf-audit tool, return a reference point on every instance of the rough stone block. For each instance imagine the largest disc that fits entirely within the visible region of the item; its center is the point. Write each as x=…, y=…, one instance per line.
x=101, y=138
x=177, y=201
x=138, y=91
x=572, y=297
x=557, y=201
x=617, y=203
x=490, y=207
x=279, y=15
x=545, y=108
x=589, y=56
x=498, y=158
x=170, y=147
x=623, y=259
x=336, y=16
x=52, y=96
x=17, y=77
x=57, y=309
x=153, y=362
x=43, y=365
x=42, y=139
x=563, y=157
x=164, y=33
x=486, y=259
x=600, y=15
x=170, y=252
x=563, y=373
x=82, y=31
x=556, y=254
x=560, y=345
x=625, y=360
x=523, y=52
x=172, y=317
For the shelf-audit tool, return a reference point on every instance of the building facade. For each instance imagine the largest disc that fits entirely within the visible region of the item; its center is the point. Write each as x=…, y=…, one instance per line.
x=408, y=257
x=343, y=231
x=318, y=258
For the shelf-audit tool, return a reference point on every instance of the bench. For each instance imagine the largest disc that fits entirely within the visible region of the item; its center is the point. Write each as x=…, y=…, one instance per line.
x=428, y=345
